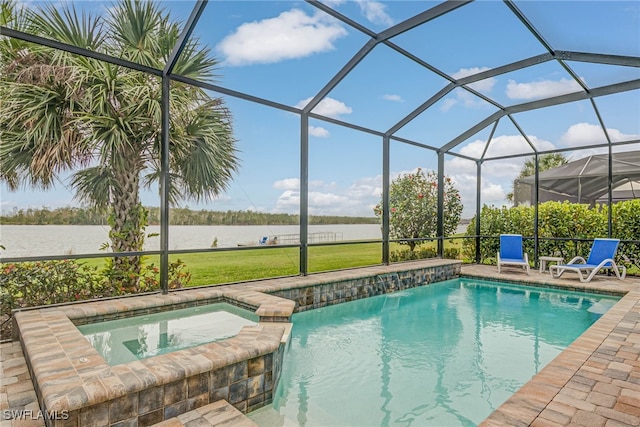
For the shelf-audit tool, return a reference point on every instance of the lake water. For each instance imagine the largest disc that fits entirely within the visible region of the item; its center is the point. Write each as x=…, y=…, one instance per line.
x=41, y=240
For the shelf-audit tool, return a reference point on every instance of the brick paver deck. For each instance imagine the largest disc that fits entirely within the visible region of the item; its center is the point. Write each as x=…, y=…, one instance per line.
x=594, y=382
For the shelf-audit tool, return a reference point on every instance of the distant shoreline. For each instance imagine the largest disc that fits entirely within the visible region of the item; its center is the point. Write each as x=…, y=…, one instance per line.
x=177, y=216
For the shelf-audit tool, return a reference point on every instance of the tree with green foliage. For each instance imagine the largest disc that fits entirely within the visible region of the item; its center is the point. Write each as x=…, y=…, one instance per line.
x=413, y=204
x=65, y=113
x=546, y=162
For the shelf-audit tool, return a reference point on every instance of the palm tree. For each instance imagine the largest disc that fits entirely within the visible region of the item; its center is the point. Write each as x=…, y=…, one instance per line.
x=546, y=162
x=61, y=112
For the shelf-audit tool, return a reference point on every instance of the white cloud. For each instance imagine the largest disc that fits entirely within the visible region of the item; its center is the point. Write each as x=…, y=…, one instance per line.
x=319, y=200
x=318, y=132
x=505, y=145
x=497, y=175
x=329, y=198
x=617, y=136
x=541, y=89
x=448, y=103
x=287, y=184
x=583, y=134
x=375, y=12
x=464, y=98
x=458, y=166
x=327, y=107
x=394, y=98
x=318, y=184
x=492, y=194
x=485, y=85
x=333, y=3
x=289, y=201
x=292, y=34
x=294, y=184
x=319, y=203
x=365, y=188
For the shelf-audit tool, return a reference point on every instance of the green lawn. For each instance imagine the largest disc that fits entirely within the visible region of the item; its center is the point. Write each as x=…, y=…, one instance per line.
x=218, y=267
x=235, y=266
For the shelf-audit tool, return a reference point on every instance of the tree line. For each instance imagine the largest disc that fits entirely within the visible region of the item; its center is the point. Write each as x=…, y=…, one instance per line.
x=177, y=216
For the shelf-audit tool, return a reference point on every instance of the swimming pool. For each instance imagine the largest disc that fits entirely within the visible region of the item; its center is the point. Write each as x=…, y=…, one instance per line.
x=133, y=338
x=444, y=354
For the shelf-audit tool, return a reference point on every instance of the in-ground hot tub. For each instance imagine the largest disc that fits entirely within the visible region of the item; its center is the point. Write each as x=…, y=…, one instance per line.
x=140, y=337
x=78, y=387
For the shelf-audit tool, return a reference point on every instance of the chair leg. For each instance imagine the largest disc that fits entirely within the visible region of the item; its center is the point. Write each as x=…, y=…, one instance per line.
x=616, y=269
x=589, y=277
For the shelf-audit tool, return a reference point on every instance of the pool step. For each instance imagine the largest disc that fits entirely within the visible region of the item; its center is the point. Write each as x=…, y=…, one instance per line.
x=220, y=413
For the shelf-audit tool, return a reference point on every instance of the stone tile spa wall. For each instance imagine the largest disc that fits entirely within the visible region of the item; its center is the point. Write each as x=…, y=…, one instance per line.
x=350, y=289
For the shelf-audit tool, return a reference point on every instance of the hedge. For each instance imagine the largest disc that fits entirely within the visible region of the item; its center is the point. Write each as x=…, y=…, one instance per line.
x=580, y=223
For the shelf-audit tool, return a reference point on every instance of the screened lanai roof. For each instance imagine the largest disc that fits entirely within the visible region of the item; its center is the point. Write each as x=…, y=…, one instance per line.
x=587, y=180
x=517, y=63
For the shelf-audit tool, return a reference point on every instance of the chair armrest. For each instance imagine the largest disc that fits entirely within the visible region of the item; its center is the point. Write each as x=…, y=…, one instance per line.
x=576, y=259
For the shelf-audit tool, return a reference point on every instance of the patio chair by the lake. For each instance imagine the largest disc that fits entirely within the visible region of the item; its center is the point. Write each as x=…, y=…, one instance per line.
x=511, y=252
x=601, y=257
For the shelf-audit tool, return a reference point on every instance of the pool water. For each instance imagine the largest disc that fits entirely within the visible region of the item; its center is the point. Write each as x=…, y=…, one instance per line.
x=447, y=354
x=133, y=338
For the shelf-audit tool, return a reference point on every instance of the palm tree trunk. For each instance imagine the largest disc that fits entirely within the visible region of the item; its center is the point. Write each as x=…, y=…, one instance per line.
x=127, y=229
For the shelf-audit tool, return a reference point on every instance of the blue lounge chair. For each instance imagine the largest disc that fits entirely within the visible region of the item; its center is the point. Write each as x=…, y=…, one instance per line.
x=511, y=252
x=601, y=256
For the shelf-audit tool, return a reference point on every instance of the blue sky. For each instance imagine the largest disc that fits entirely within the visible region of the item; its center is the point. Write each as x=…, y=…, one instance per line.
x=286, y=51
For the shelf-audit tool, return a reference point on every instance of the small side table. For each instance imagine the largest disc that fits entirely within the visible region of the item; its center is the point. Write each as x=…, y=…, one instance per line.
x=545, y=259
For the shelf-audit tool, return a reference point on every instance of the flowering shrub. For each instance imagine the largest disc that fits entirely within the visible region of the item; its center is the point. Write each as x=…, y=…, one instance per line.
x=150, y=280
x=147, y=280
x=29, y=284
x=413, y=204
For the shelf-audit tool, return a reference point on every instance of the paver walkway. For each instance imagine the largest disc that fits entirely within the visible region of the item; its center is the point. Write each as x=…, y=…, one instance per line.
x=594, y=382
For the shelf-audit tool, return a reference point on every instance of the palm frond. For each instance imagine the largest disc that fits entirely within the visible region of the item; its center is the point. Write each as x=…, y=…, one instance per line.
x=175, y=187
x=205, y=155
x=93, y=185
x=84, y=30
x=135, y=28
